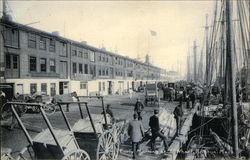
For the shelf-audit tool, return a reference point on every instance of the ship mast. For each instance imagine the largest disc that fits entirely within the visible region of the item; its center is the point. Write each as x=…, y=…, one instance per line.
x=231, y=77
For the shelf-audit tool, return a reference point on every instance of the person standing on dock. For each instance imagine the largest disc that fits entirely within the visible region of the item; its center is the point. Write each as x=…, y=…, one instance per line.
x=110, y=113
x=178, y=113
x=156, y=131
x=192, y=98
x=138, y=107
x=136, y=132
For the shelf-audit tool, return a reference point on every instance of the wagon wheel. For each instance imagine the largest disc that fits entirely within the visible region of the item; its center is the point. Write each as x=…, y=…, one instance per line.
x=35, y=109
x=22, y=108
x=77, y=155
x=6, y=112
x=26, y=153
x=117, y=138
x=6, y=157
x=49, y=108
x=106, y=148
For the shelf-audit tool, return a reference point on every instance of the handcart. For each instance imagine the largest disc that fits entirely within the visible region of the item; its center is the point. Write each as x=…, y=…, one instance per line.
x=51, y=143
x=99, y=138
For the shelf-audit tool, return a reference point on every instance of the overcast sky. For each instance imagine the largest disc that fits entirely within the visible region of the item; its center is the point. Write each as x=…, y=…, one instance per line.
x=124, y=25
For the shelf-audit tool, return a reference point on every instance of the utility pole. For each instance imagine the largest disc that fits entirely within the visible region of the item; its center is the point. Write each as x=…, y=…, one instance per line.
x=195, y=62
x=231, y=77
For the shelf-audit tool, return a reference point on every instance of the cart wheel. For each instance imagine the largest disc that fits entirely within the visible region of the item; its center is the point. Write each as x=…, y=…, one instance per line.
x=106, y=148
x=77, y=155
x=6, y=112
x=26, y=153
x=49, y=108
x=22, y=108
x=6, y=157
x=117, y=138
x=35, y=109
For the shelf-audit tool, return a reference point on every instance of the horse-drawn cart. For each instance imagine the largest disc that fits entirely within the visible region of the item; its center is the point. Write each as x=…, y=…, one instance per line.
x=51, y=143
x=96, y=134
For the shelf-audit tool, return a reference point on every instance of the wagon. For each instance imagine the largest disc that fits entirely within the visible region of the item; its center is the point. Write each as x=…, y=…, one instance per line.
x=51, y=143
x=151, y=93
x=96, y=134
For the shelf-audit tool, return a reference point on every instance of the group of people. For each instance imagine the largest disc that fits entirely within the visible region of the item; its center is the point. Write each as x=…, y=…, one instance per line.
x=168, y=93
x=136, y=130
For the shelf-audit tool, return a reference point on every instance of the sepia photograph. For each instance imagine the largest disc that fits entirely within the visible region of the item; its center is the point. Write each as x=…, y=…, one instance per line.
x=125, y=79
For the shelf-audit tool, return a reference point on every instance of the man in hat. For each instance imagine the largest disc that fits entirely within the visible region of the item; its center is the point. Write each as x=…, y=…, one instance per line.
x=109, y=112
x=156, y=131
x=178, y=113
x=136, y=132
x=138, y=107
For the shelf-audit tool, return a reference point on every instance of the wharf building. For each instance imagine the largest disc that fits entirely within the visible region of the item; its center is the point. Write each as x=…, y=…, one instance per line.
x=38, y=61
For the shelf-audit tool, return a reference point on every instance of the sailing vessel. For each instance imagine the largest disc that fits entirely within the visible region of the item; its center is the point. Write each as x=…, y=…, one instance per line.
x=221, y=126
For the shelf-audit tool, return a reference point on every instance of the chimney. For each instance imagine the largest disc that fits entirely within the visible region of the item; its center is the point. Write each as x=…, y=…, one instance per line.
x=83, y=42
x=55, y=33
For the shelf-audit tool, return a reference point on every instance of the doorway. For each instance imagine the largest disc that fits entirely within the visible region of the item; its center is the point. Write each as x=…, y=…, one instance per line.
x=63, y=88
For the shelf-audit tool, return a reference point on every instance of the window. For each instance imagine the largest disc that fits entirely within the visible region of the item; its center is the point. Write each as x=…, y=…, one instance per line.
x=100, y=58
x=100, y=86
x=103, y=86
x=11, y=66
x=11, y=37
x=92, y=69
x=42, y=43
x=100, y=72
x=92, y=56
x=74, y=67
x=83, y=85
x=86, y=55
x=80, y=54
x=44, y=88
x=32, y=63
x=33, y=88
x=107, y=71
x=15, y=61
x=31, y=40
x=80, y=68
x=52, y=89
x=107, y=59
x=52, y=45
x=103, y=72
x=86, y=69
x=8, y=62
x=103, y=59
x=43, y=64
x=63, y=49
x=74, y=53
x=52, y=65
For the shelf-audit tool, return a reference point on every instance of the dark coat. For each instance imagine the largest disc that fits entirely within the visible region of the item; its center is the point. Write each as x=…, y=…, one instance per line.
x=138, y=106
x=154, y=123
x=178, y=112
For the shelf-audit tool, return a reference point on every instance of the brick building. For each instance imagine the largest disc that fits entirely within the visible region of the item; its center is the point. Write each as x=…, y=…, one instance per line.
x=38, y=61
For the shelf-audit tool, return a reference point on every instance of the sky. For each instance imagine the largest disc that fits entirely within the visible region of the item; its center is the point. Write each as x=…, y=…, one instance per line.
x=123, y=25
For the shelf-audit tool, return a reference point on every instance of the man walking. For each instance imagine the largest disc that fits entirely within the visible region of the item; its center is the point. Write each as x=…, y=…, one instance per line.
x=156, y=131
x=192, y=98
x=138, y=107
x=136, y=132
x=178, y=113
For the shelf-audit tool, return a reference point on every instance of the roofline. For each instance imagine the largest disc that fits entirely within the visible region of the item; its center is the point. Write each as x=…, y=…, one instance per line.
x=64, y=39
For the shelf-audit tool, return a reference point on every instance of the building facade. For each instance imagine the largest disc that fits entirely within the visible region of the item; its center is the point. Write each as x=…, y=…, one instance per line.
x=38, y=61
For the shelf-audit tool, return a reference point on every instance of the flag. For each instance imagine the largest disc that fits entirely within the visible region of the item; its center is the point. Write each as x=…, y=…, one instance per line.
x=153, y=33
